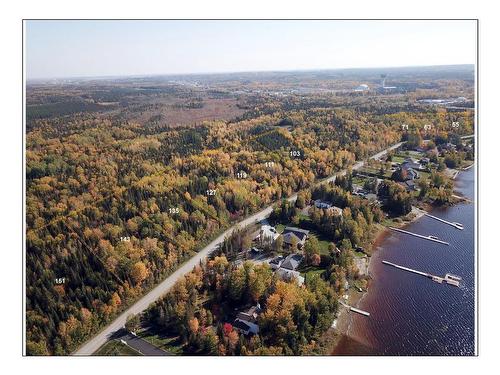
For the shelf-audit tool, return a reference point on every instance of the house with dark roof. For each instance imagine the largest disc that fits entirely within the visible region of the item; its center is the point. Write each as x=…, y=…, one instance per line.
x=295, y=235
x=246, y=321
x=411, y=163
x=251, y=314
x=448, y=147
x=276, y=262
x=291, y=239
x=411, y=173
x=245, y=327
x=322, y=204
x=292, y=262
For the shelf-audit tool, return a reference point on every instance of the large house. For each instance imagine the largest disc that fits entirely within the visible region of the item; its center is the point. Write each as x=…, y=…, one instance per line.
x=447, y=147
x=410, y=163
x=318, y=203
x=322, y=204
x=286, y=269
x=246, y=321
x=289, y=275
x=276, y=262
x=293, y=235
x=409, y=168
x=268, y=233
x=292, y=262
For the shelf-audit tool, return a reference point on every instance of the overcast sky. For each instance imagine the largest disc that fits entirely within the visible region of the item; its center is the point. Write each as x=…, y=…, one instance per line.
x=57, y=49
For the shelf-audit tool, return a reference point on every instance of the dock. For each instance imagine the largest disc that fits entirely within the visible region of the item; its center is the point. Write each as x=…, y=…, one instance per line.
x=461, y=198
x=362, y=312
x=429, y=238
x=447, y=279
x=354, y=309
x=453, y=224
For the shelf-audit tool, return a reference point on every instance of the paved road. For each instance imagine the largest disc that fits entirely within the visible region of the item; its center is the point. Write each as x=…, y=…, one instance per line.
x=142, y=346
x=97, y=341
x=360, y=164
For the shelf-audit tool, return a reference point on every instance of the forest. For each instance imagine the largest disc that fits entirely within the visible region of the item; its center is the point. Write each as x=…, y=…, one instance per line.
x=199, y=305
x=114, y=204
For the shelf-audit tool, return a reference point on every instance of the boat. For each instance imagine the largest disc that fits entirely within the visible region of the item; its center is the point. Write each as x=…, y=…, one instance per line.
x=452, y=279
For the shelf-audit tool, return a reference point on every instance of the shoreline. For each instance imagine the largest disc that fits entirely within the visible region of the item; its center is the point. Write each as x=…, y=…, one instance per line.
x=344, y=318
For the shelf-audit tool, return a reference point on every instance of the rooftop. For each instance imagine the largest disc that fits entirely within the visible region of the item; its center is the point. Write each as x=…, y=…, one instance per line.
x=292, y=262
x=301, y=234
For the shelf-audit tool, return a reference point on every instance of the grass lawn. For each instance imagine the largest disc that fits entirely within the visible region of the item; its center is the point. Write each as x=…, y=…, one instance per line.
x=389, y=222
x=323, y=247
x=416, y=154
x=280, y=228
x=323, y=242
x=375, y=171
x=311, y=270
x=168, y=343
x=398, y=159
x=358, y=180
x=359, y=254
x=115, y=347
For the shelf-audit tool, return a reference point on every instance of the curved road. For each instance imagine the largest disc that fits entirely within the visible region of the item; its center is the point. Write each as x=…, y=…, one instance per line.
x=97, y=341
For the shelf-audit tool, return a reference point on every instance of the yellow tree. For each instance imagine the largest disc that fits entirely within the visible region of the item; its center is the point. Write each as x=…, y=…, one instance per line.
x=138, y=272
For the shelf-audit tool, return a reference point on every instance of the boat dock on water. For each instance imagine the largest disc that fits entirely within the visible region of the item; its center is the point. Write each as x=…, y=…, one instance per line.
x=429, y=238
x=354, y=309
x=447, y=279
x=453, y=224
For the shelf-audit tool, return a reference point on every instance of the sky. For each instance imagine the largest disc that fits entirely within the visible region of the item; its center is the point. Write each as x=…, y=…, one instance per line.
x=63, y=49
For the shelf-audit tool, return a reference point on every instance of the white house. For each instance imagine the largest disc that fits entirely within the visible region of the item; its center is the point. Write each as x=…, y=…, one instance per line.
x=268, y=233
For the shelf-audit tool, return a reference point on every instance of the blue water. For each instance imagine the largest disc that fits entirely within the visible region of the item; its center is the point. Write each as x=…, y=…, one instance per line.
x=410, y=314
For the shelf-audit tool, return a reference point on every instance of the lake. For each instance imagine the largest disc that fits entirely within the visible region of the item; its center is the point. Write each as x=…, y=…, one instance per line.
x=411, y=314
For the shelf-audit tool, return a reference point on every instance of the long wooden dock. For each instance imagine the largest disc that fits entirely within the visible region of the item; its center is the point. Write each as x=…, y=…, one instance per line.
x=429, y=238
x=354, y=309
x=447, y=279
x=453, y=224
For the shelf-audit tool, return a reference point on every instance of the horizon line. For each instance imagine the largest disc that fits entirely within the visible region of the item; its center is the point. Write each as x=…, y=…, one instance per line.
x=145, y=75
